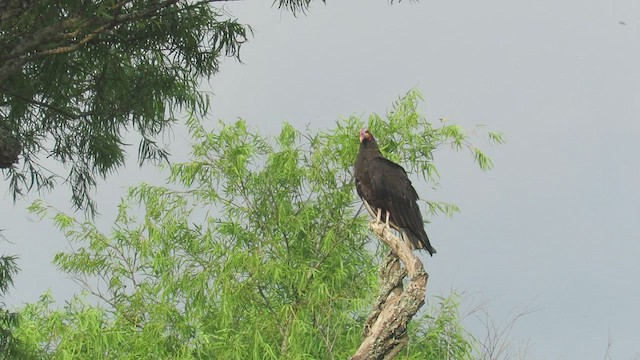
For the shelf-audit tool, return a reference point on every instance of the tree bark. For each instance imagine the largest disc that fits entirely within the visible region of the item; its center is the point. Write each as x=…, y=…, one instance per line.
x=385, y=330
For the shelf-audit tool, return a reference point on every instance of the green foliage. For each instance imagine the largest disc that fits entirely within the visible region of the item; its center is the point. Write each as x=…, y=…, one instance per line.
x=76, y=75
x=10, y=347
x=439, y=335
x=8, y=320
x=254, y=250
x=8, y=268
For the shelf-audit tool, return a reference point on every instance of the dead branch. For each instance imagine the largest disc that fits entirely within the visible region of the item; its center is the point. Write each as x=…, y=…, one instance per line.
x=386, y=328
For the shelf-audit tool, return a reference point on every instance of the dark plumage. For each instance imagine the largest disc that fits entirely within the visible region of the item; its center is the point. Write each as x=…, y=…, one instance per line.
x=385, y=187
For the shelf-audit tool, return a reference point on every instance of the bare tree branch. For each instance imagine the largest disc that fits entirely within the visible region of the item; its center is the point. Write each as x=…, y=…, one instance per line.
x=386, y=328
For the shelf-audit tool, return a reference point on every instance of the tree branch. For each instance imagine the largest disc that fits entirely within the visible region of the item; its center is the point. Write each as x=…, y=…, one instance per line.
x=386, y=328
x=70, y=34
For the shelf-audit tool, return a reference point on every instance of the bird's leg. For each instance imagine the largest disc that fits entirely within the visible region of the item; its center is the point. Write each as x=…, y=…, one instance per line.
x=379, y=216
x=387, y=222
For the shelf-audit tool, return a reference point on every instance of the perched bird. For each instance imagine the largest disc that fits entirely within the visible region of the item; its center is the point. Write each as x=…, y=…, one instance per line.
x=386, y=189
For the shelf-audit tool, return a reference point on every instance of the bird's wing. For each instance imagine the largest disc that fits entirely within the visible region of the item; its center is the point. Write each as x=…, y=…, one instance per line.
x=391, y=183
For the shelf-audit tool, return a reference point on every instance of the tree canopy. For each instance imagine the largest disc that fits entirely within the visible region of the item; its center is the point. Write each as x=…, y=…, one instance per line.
x=256, y=248
x=77, y=76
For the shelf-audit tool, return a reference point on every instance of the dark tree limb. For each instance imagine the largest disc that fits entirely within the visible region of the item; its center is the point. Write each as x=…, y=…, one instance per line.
x=386, y=328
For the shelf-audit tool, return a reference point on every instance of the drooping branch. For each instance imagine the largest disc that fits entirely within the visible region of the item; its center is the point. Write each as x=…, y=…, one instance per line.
x=386, y=328
x=77, y=77
x=70, y=34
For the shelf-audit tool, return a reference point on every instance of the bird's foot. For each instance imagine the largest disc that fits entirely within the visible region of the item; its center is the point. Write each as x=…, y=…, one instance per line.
x=386, y=224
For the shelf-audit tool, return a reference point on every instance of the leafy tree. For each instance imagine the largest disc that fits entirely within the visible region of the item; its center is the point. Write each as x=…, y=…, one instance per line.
x=255, y=249
x=75, y=76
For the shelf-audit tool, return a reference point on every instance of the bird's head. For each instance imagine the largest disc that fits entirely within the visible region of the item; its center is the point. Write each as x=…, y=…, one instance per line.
x=368, y=146
x=365, y=135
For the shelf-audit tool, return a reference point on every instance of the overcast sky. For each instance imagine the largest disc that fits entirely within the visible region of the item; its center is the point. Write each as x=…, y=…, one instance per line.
x=554, y=227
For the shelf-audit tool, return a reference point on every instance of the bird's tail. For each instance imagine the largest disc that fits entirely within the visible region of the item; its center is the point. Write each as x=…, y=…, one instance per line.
x=418, y=242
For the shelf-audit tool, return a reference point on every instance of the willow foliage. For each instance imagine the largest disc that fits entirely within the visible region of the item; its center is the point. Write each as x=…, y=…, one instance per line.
x=255, y=249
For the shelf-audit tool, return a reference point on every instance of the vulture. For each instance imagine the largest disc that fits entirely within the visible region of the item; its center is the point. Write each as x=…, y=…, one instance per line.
x=386, y=189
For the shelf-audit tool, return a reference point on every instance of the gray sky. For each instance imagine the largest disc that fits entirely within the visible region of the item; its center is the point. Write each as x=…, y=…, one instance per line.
x=554, y=226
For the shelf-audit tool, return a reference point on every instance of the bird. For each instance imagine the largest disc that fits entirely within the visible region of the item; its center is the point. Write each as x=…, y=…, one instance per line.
x=385, y=188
